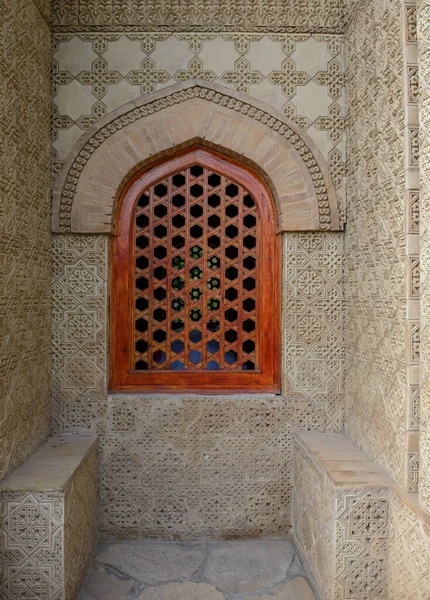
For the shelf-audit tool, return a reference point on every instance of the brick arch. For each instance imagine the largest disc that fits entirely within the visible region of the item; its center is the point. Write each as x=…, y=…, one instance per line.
x=139, y=132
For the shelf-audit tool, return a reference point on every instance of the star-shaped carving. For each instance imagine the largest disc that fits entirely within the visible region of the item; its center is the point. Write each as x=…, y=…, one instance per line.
x=147, y=76
x=288, y=78
x=195, y=71
x=333, y=123
x=242, y=77
x=333, y=78
x=99, y=77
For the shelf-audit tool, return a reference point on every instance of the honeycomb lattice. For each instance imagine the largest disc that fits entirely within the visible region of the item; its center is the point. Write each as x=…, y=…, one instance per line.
x=196, y=277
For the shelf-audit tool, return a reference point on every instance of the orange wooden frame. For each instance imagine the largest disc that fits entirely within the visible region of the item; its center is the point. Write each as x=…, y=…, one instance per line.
x=122, y=375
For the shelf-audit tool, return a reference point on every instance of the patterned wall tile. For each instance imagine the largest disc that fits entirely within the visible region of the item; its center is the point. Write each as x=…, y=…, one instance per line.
x=204, y=15
x=314, y=521
x=361, y=543
x=301, y=75
x=24, y=233
x=80, y=524
x=382, y=287
x=424, y=198
x=80, y=328
x=32, y=530
x=313, y=326
x=195, y=467
x=409, y=554
x=341, y=532
x=47, y=539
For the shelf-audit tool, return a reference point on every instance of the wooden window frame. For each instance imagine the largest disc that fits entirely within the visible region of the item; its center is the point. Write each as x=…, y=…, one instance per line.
x=122, y=376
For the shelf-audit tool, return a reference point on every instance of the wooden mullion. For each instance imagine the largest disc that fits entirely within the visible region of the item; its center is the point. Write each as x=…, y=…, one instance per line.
x=240, y=278
x=230, y=377
x=187, y=261
x=206, y=292
x=222, y=273
x=151, y=267
x=170, y=275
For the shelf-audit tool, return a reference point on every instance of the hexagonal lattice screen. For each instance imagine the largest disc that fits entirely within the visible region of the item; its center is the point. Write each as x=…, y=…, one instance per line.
x=196, y=274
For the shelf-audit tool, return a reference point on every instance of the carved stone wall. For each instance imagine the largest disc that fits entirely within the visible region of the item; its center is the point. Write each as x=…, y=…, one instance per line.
x=80, y=524
x=382, y=253
x=408, y=569
x=424, y=112
x=180, y=467
x=301, y=76
x=313, y=313
x=48, y=537
x=340, y=518
x=206, y=15
x=25, y=276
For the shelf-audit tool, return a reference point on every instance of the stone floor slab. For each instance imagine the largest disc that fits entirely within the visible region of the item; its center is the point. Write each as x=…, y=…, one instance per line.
x=248, y=567
x=153, y=562
x=229, y=570
x=102, y=585
x=295, y=589
x=184, y=590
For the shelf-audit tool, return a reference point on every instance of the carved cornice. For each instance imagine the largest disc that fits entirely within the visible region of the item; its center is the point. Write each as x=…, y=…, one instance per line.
x=260, y=16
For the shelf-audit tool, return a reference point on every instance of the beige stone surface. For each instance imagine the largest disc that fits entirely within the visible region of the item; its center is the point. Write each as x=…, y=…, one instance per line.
x=86, y=191
x=246, y=440
x=340, y=525
x=343, y=462
x=25, y=263
x=183, y=590
x=248, y=567
x=154, y=562
x=207, y=15
x=267, y=566
x=423, y=19
x=52, y=466
x=80, y=529
x=408, y=567
x=296, y=589
x=106, y=586
x=382, y=270
x=49, y=535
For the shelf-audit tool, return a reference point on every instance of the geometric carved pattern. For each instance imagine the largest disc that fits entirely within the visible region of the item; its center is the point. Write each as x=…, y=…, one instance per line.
x=382, y=341
x=313, y=345
x=145, y=69
x=24, y=214
x=361, y=543
x=196, y=275
x=205, y=15
x=32, y=545
x=218, y=460
x=408, y=551
x=343, y=534
x=205, y=467
x=423, y=21
x=48, y=538
x=79, y=325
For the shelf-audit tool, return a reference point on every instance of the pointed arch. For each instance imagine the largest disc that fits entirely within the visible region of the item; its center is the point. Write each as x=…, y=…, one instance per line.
x=87, y=191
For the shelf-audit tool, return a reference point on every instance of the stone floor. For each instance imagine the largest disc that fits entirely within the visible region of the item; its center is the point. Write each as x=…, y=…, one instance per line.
x=260, y=569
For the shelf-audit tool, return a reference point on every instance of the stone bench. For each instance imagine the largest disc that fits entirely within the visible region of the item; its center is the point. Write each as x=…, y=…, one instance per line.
x=340, y=517
x=49, y=520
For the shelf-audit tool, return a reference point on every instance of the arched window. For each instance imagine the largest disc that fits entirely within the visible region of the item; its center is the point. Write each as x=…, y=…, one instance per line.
x=195, y=280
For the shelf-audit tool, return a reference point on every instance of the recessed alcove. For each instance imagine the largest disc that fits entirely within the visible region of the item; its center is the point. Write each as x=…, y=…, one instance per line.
x=214, y=260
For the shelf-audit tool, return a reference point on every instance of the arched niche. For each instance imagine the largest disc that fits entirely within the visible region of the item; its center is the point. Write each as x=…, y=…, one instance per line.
x=88, y=188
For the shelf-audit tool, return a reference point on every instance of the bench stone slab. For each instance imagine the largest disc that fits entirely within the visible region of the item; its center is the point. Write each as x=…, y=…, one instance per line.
x=48, y=508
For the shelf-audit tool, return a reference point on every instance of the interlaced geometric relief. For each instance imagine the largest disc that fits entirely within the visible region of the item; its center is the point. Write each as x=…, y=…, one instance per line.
x=196, y=277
